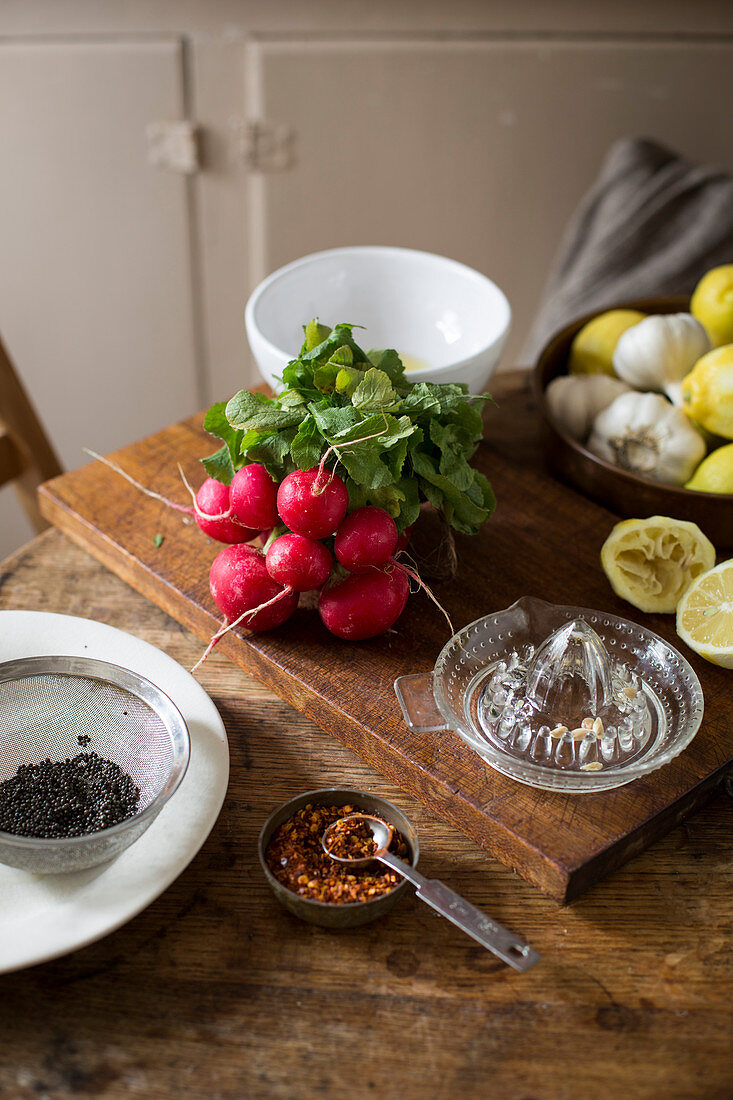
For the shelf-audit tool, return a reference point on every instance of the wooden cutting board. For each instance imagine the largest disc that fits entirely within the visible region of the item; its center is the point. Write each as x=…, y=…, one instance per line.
x=544, y=540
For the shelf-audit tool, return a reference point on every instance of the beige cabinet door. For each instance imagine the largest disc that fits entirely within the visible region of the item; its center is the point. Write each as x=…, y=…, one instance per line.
x=95, y=279
x=476, y=149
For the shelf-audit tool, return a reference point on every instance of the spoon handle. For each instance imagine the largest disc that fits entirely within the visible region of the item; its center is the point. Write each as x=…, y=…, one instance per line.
x=511, y=949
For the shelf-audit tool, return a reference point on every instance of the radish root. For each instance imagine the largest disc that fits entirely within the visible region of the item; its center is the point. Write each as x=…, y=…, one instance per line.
x=226, y=627
x=194, y=510
x=197, y=511
x=147, y=492
x=415, y=576
x=208, y=649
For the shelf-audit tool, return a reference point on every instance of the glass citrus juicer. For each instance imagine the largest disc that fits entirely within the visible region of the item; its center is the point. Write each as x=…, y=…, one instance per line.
x=557, y=697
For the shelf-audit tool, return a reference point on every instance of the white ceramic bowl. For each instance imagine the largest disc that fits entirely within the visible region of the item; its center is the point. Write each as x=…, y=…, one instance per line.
x=434, y=310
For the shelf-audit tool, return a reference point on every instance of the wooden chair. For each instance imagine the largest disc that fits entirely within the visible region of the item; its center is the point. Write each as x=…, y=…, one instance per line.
x=26, y=455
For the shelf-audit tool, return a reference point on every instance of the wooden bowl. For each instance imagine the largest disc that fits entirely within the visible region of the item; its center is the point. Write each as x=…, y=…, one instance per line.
x=622, y=492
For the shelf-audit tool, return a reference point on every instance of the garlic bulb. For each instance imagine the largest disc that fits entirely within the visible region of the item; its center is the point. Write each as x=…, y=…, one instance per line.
x=658, y=352
x=574, y=401
x=645, y=434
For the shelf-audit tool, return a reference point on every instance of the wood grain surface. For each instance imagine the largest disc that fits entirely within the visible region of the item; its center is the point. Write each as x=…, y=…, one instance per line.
x=216, y=993
x=544, y=540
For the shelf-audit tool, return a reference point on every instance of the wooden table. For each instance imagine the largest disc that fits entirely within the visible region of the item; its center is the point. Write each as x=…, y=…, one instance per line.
x=215, y=991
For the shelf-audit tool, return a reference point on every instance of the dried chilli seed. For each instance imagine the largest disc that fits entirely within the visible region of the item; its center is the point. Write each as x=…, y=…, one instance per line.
x=352, y=840
x=297, y=860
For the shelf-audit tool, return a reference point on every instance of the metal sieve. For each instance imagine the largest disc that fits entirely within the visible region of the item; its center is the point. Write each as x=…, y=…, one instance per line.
x=57, y=707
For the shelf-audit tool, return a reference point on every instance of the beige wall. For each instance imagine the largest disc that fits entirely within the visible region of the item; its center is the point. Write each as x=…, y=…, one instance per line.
x=217, y=18
x=122, y=285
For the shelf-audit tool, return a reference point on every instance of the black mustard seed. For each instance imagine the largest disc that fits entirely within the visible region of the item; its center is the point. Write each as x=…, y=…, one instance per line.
x=65, y=798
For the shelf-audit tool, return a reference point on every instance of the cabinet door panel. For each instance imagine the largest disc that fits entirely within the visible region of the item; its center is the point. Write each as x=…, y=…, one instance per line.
x=479, y=150
x=95, y=280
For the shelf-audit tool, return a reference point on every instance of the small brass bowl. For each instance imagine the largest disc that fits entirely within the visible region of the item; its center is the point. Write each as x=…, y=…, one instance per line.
x=331, y=914
x=622, y=492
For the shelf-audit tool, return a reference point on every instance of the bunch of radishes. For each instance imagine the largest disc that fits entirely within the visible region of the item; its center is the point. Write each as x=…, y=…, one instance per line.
x=273, y=494
x=259, y=587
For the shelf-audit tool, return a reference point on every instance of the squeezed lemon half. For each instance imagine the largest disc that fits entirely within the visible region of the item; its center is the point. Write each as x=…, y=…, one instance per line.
x=652, y=562
x=705, y=615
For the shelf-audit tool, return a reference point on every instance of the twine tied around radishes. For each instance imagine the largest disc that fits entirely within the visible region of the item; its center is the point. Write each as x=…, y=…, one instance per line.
x=395, y=445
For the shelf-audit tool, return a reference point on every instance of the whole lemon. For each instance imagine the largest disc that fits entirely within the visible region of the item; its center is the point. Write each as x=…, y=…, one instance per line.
x=707, y=392
x=715, y=473
x=591, y=352
x=712, y=304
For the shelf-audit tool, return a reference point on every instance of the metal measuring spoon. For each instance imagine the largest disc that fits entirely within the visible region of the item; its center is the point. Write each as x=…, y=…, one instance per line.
x=491, y=935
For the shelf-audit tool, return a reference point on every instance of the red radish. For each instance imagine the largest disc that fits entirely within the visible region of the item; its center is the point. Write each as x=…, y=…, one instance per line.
x=299, y=562
x=403, y=540
x=239, y=582
x=365, y=605
x=254, y=497
x=212, y=499
x=312, y=502
x=366, y=538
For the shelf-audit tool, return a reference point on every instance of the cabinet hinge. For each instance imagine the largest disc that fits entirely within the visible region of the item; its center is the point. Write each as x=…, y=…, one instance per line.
x=173, y=145
x=264, y=146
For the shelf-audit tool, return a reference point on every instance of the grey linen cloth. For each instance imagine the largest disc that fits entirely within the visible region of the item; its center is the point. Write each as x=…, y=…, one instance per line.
x=652, y=223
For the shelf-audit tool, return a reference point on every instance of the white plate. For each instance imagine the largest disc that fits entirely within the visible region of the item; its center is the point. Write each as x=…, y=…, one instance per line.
x=44, y=916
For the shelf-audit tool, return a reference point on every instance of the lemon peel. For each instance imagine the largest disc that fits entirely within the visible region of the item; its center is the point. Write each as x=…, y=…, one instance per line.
x=705, y=615
x=707, y=392
x=591, y=351
x=712, y=304
x=651, y=563
x=715, y=473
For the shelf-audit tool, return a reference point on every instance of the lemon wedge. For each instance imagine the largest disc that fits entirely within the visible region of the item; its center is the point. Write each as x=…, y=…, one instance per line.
x=591, y=351
x=652, y=562
x=705, y=615
x=715, y=473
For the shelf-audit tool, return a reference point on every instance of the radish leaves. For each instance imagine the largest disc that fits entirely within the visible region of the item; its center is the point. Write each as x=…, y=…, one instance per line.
x=396, y=443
